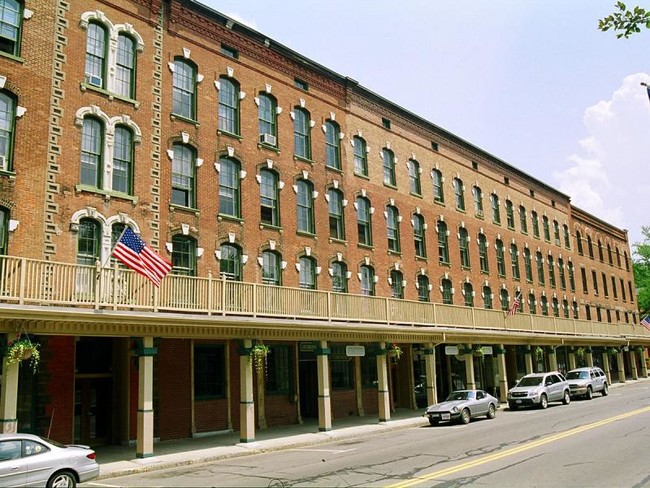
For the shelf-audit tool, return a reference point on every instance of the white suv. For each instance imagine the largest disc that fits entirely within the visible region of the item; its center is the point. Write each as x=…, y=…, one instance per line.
x=584, y=382
x=538, y=389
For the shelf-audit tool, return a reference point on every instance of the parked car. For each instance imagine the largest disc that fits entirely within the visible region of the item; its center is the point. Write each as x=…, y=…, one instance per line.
x=30, y=460
x=538, y=389
x=463, y=405
x=584, y=382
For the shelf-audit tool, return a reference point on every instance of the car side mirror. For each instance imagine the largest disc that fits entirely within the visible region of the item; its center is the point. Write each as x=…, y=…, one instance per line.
x=549, y=383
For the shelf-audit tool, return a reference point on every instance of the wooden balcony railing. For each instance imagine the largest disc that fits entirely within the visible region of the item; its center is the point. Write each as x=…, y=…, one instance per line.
x=44, y=283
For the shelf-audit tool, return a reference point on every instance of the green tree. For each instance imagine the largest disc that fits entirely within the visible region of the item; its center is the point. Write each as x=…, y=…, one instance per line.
x=626, y=21
x=641, y=265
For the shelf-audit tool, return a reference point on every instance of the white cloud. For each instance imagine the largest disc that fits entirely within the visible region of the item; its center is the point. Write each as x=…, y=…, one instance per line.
x=610, y=175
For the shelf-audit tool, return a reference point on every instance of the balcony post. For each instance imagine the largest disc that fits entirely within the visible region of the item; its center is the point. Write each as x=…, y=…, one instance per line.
x=430, y=372
x=210, y=292
x=9, y=396
x=552, y=358
x=23, y=281
x=589, y=357
x=572, y=359
x=144, y=442
x=324, y=401
x=246, y=403
x=382, y=384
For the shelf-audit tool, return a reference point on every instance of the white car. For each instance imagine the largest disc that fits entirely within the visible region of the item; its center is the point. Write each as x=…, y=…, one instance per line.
x=30, y=460
x=584, y=382
x=538, y=389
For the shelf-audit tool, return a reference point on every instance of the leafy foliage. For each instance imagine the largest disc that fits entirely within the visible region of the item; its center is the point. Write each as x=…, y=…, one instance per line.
x=23, y=349
x=641, y=265
x=626, y=21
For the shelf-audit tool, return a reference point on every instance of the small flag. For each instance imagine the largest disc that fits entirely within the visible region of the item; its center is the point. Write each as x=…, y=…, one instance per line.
x=646, y=322
x=515, y=305
x=138, y=256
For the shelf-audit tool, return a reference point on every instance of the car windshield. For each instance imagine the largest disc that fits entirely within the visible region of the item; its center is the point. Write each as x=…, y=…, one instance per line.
x=530, y=381
x=460, y=395
x=577, y=375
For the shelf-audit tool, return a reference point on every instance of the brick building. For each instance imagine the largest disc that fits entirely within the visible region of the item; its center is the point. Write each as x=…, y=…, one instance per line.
x=305, y=217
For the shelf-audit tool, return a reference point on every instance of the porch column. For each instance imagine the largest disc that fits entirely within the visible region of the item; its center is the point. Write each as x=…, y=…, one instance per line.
x=324, y=401
x=430, y=372
x=606, y=369
x=529, y=360
x=144, y=442
x=644, y=364
x=632, y=354
x=572, y=360
x=246, y=403
x=9, y=397
x=382, y=384
x=621, y=366
x=358, y=388
x=552, y=358
x=589, y=357
x=503, y=376
x=469, y=370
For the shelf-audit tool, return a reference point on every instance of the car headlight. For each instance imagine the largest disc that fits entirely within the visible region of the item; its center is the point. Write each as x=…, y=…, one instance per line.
x=454, y=410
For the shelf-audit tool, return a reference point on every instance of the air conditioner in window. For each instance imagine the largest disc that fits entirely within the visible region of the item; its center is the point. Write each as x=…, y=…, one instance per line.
x=269, y=139
x=3, y=163
x=94, y=80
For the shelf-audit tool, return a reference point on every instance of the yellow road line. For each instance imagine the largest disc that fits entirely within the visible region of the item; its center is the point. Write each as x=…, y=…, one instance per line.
x=515, y=450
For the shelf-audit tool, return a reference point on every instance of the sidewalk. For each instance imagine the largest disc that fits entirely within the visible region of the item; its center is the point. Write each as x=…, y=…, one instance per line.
x=120, y=460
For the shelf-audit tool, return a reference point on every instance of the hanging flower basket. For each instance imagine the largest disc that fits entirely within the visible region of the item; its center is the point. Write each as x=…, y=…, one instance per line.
x=22, y=349
x=259, y=354
x=478, y=351
x=580, y=352
x=539, y=353
x=612, y=351
x=395, y=350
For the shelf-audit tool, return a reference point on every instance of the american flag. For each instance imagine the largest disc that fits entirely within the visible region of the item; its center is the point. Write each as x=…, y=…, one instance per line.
x=646, y=322
x=515, y=305
x=137, y=255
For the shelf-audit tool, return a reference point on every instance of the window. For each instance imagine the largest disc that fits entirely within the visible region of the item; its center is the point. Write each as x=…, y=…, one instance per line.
x=231, y=52
x=332, y=145
x=183, y=255
x=574, y=306
x=336, y=222
x=4, y=229
x=528, y=267
x=184, y=89
x=443, y=243
x=487, y=297
x=585, y=288
x=307, y=273
x=183, y=176
x=532, y=303
x=505, y=299
x=92, y=145
x=88, y=242
x=609, y=255
x=392, y=228
x=579, y=242
x=419, y=236
x=572, y=278
x=230, y=262
x=271, y=268
x=415, y=185
x=547, y=230
x=478, y=201
x=228, y=105
x=269, y=205
x=339, y=277
x=447, y=292
x=11, y=16
x=618, y=258
x=544, y=305
x=396, y=284
x=535, y=220
x=623, y=290
x=501, y=264
x=96, y=51
x=423, y=288
x=600, y=251
x=209, y=371
x=510, y=215
x=301, y=133
x=551, y=271
x=298, y=83
x=627, y=261
x=7, y=127
x=278, y=370
x=614, y=290
x=459, y=194
x=438, y=195
x=385, y=122
x=342, y=369
x=123, y=160
x=483, y=253
x=540, y=267
x=514, y=258
x=463, y=243
x=360, y=156
x=125, y=67
x=565, y=308
x=590, y=247
x=567, y=236
x=267, y=118
x=556, y=232
x=468, y=294
x=496, y=213
x=523, y=219
x=369, y=371
x=388, y=163
x=364, y=227
x=305, y=206
x=367, y=280
x=560, y=267
x=594, y=280
x=229, y=187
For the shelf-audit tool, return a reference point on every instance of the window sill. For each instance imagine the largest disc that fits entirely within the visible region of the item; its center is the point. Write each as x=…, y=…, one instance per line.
x=445, y=264
x=83, y=86
x=390, y=185
x=270, y=227
x=392, y=252
x=230, y=218
x=305, y=233
x=231, y=135
x=334, y=169
x=13, y=57
x=174, y=207
x=181, y=118
x=440, y=202
x=416, y=195
x=422, y=258
x=301, y=158
x=361, y=175
x=8, y=174
x=334, y=240
x=365, y=246
x=106, y=193
x=268, y=147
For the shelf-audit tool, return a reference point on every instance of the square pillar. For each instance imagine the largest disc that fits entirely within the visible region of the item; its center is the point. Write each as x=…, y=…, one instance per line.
x=552, y=358
x=144, y=442
x=503, y=376
x=644, y=364
x=246, y=403
x=589, y=357
x=382, y=384
x=324, y=400
x=606, y=369
x=470, y=380
x=9, y=397
x=632, y=355
x=621, y=366
x=572, y=360
x=430, y=372
x=529, y=360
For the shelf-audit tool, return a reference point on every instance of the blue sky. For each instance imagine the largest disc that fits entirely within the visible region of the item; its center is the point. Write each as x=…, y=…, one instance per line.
x=533, y=82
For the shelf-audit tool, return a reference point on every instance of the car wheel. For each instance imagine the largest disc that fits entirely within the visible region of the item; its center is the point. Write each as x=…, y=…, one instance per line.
x=62, y=479
x=433, y=422
x=567, y=398
x=465, y=416
x=590, y=394
x=512, y=406
x=605, y=391
x=543, y=401
x=492, y=412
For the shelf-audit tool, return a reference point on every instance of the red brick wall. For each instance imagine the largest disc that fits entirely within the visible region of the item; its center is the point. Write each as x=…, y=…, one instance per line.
x=174, y=389
x=59, y=365
x=344, y=403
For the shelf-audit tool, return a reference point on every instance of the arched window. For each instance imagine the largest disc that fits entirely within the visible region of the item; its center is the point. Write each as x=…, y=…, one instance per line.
x=301, y=133
x=305, y=206
x=228, y=105
x=269, y=198
x=510, y=215
x=4, y=230
x=307, y=273
x=463, y=244
x=535, y=220
x=523, y=219
x=332, y=145
x=555, y=305
x=183, y=255
x=92, y=152
x=528, y=267
x=544, y=305
x=388, y=163
x=392, y=228
x=600, y=251
x=7, y=129
x=459, y=194
x=423, y=288
x=501, y=261
x=483, y=253
x=396, y=284
x=364, y=227
x=419, y=236
x=551, y=271
x=360, y=156
x=547, y=229
x=230, y=262
x=496, y=213
x=336, y=221
x=610, y=259
x=477, y=194
x=11, y=18
x=532, y=303
x=123, y=160
x=565, y=308
x=415, y=185
x=590, y=247
x=579, y=242
x=514, y=259
x=125, y=65
x=572, y=278
x=468, y=294
x=88, y=242
x=367, y=280
x=339, y=272
x=443, y=243
x=560, y=267
x=567, y=236
x=487, y=297
x=96, y=50
x=267, y=112
x=556, y=232
x=229, y=187
x=505, y=299
x=271, y=268
x=447, y=292
x=540, y=267
x=438, y=194
x=183, y=175
x=184, y=89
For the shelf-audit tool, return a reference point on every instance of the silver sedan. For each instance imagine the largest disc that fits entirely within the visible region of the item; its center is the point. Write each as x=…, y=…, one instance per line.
x=463, y=405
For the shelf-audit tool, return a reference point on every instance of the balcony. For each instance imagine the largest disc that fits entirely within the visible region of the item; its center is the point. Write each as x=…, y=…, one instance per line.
x=54, y=285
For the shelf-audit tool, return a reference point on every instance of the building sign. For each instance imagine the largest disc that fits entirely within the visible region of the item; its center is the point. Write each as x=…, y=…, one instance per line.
x=307, y=346
x=487, y=349
x=354, y=351
x=451, y=350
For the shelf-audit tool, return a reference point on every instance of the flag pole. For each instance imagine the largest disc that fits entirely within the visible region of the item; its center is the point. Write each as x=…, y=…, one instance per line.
x=113, y=246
